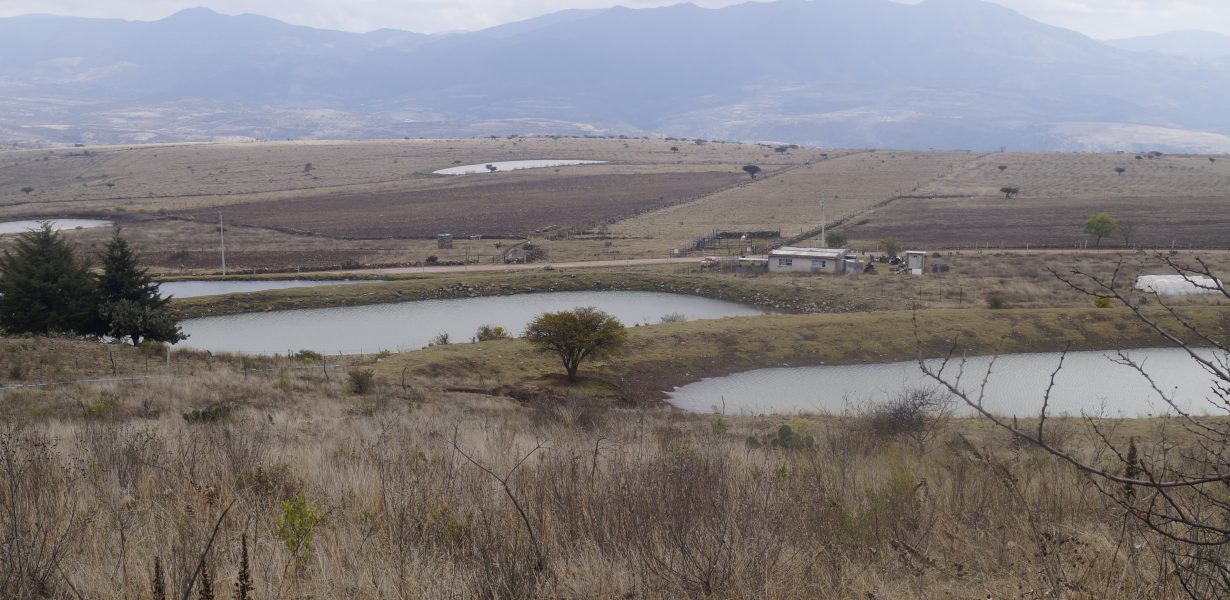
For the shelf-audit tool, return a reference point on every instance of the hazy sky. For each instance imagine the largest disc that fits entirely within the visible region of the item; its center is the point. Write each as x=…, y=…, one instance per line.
x=1098, y=18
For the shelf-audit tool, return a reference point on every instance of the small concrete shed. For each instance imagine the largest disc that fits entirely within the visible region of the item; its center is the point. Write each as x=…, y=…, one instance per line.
x=915, y=261
x=791, y=259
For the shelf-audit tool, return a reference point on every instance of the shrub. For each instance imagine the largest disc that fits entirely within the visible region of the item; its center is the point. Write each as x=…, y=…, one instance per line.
x=361, y=381
x=439, y=340
x=309, y=356
x=996, y=300
x=296, y=525
x=433, y=259
x=1102, y=302
x=153, y=348
x=351, y=263
x=383, y=354
x=788, y=439
x=103, y=406
x=917, y=414
x=487, y=333
x=674, y=317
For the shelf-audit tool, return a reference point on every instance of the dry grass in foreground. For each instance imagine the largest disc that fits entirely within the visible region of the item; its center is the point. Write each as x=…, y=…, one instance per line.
x=348, y=488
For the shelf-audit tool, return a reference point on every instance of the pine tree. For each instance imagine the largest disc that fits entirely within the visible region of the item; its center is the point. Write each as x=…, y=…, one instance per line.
x=45, y=289
x=131, y=304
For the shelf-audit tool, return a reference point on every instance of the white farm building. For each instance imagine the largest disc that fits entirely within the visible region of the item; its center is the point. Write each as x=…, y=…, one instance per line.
x=790, y=259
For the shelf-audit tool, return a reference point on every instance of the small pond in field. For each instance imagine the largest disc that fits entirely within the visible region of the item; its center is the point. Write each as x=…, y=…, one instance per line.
x=514, y=165
x=193, y=289
x=11, y=227
x=1093, y=383
x=412, y=325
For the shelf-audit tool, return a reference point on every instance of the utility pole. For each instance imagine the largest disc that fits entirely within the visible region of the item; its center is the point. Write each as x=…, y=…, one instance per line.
x=823, y=242
x=222, y=239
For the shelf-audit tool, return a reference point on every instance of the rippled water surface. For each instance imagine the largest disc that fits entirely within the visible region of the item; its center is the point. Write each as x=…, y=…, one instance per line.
x=514, y=165
x=57, y=224
x=410, y=325
x=1090, y=382
x=192, y=289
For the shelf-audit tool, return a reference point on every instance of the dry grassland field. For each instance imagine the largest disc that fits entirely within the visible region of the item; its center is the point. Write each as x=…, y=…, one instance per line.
x=317, y=205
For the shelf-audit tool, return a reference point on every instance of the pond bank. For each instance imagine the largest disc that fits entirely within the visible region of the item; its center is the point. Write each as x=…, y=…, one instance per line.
x=762, y=292
x=662, y=357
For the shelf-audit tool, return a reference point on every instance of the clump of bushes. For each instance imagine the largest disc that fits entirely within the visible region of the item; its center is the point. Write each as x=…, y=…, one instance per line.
x=213, y=413
x=487, y=333
x=785, y=438
x=996, y=300
x=153, y=348
x=1102, y=302
x=917, y=414
x=675, y=317
x=309, y=356
x=361, y=381
x=103, y=407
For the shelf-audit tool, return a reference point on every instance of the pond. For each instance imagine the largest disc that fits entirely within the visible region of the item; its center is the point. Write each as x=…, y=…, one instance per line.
x=514, y=165
x=193, y=289
x=11, y=227
x=1090, y=382
x=412, y=325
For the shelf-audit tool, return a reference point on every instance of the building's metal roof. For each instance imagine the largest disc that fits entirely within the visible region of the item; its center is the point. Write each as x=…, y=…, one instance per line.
x=796, y=252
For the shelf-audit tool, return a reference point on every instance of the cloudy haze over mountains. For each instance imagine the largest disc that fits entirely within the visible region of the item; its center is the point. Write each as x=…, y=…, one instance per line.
x=865, y=73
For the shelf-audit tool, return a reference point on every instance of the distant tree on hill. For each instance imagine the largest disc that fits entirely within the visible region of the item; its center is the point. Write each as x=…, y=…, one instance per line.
x=1120, y=170
x=835, y=239
x=131, y=304
x=27, y=190
x=751, y=170
x=45, y=289
x=1010, y=191
x=575, y=335
x=1100, y=225
x=891, y=246
x=492, y=168
x=1003, y=168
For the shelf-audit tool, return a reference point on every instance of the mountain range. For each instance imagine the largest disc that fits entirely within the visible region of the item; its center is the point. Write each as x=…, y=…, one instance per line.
x=955, y=74
x=1189, y=44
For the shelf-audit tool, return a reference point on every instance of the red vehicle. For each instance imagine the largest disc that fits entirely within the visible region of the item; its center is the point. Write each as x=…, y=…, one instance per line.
x=710, y=262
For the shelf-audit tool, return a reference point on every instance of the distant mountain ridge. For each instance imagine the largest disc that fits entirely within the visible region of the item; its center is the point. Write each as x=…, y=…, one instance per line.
x=856, y=73
x=1189, y=44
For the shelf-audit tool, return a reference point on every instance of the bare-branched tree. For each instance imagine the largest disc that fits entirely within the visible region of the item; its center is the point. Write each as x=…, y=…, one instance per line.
x=1177, y=483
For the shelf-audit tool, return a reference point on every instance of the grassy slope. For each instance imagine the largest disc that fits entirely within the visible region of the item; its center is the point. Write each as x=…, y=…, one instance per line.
x=663, y=356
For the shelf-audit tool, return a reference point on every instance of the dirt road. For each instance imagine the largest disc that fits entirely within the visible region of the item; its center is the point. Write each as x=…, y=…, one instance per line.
x=693, y=260
x=589, y=264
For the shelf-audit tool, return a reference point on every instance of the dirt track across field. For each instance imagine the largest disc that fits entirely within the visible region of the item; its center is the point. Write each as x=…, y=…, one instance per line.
x=639, y=262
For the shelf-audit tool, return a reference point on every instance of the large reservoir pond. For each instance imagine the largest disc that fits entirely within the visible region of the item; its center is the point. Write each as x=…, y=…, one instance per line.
x=193, y=289
x=56, y=224
x=412, y=325
x=1090, y=382
x=514, y=165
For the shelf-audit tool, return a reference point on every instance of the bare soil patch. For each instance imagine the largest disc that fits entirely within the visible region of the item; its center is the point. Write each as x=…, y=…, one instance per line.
x=510, y=208
x=1050, y=221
